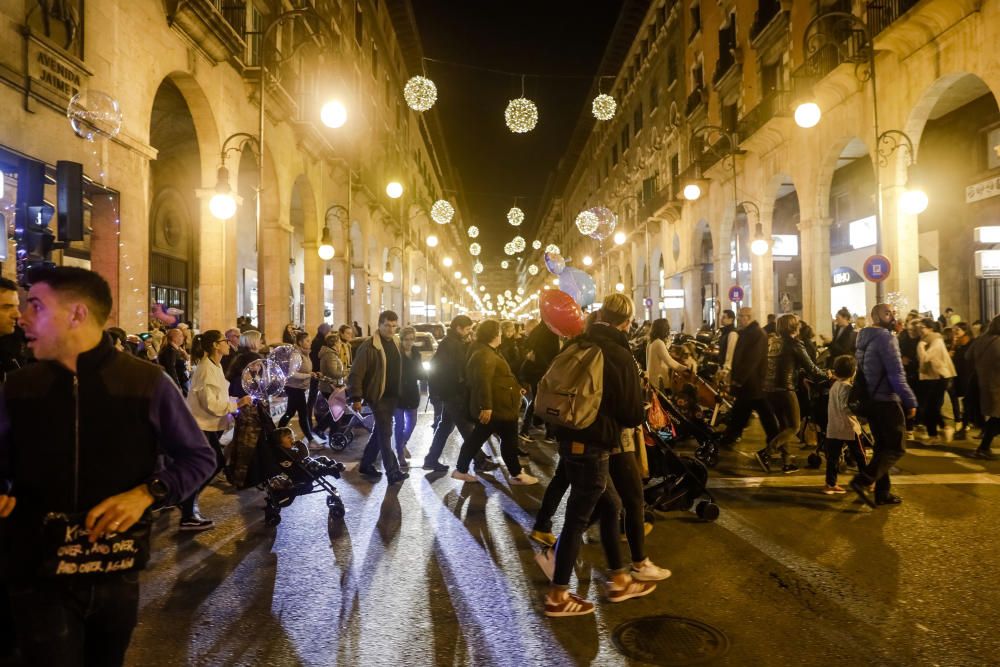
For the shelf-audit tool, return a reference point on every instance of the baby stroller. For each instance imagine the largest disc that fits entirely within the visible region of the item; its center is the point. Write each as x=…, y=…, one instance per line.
x=291, y=472
x=676, y=482
x=335, y=413
x=685, y=422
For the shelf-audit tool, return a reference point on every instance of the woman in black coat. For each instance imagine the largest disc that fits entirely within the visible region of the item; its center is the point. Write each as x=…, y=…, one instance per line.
x=405, y=416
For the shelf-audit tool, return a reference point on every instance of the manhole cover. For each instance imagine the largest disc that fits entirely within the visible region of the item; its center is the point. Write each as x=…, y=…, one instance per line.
x=670, y=640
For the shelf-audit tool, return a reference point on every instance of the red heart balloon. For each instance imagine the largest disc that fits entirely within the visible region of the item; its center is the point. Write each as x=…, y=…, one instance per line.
x=561, y=313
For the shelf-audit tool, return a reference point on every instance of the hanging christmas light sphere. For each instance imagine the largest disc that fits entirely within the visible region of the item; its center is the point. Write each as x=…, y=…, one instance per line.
x=518, y=243
x=442, y=212
x=552, y=248
x=473, y=232
x=507, y=293
x=604, y=107
x=521, y=115
x=586, y=222
x=505, y=264
x=606, y=223
x=509, y=248
x=515, y=216
x=537, y=245
x=533, y=269
x=475, y=249
x=477, y=267
x=420, y=93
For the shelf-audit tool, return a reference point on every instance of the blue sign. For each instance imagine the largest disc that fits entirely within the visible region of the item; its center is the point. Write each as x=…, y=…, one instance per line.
x=735, y=293
x=877, y=268
x=648, y=302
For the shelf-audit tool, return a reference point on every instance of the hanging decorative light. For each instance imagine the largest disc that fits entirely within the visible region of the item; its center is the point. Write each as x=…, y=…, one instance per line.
x=533, y=269
x=420, y=93
x=505, y=264
x=521, y=115
x=515, y=216
x=509, y=248
x=552, y=248
x=442, y=212
x=604, y=107
x=587, y=222
x=475, y=249
x=518, y=243
x=473, y=232
x=477, y=267
x=536, y=244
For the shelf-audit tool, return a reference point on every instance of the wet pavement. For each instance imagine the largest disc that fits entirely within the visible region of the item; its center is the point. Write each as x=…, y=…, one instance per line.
x=434, y=572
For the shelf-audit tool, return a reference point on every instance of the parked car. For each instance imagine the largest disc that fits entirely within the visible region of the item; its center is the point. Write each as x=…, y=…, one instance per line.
x=436, y=329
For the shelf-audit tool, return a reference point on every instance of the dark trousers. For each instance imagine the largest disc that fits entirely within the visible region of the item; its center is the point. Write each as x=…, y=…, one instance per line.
x=743, y=406
x=82, y=623
x=311, y=398
x=624, y=471
x=834, y=451
x=933, y=399
x=529, y=415
x=590, y=494
x=990, y=431
x=505, y=430
x=189, y=506
x=888, y=427
x=452, y=417
x=380, y=441
x=554, y=493
x=785, y=405
x=297, y=406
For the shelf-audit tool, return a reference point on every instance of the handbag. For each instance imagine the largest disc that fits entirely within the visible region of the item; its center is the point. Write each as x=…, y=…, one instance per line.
x=655, y=416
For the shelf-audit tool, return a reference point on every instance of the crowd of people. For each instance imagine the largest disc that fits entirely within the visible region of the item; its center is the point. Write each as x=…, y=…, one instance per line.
x=485, y=381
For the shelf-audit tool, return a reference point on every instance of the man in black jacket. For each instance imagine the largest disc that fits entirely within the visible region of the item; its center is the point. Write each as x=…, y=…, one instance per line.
x=844, y=337
x=585, y=453
x=107, y=421
x=173, y=359
x=746, y=381
x=448, y=388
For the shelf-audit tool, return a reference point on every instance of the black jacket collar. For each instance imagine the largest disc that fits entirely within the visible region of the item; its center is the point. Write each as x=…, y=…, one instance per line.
x=599, y=331
x=93, y=359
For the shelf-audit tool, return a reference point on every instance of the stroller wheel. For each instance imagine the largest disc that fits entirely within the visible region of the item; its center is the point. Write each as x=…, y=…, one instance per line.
x=338, y=441
x=707, y=511
x=814, y=460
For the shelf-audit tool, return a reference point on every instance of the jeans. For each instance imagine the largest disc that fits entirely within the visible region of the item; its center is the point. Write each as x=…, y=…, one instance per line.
x=888, y=427
x=590, y=494
x=507, y=432
x=785, y=405
x=403, y=420
x=554, y=493
x=834, y=450
x=82, y=623
x=189, y=506
x=452, y=417
x=624, y=471
x=297, y=405
x=380, y=441
x=990, y=431
x=743, y=406
x=933, y=399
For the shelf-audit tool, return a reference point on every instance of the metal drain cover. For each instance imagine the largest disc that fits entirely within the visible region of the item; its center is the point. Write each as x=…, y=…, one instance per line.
x=670, y=640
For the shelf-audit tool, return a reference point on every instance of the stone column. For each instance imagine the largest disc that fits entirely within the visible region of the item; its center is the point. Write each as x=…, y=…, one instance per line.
x=359, y=302
x=272, y=278
x=900, y=243
x=815, y=253
x=314, y=275
x=762, y=270
x=213, y=269
x=341, y=289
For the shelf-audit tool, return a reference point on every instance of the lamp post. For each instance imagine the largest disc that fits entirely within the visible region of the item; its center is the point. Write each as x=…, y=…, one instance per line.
x=828, y=31
x=223, y=202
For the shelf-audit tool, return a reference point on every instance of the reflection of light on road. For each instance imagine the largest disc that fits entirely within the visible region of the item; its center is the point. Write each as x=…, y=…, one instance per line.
x=481, y=594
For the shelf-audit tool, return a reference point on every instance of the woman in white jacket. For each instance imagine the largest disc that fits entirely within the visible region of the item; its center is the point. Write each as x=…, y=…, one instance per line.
x=212, y=409
x=936, y=371
x=659, y=363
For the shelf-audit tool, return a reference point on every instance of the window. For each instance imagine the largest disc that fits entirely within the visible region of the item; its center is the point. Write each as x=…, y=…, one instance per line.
x=637, y=118
x=614, y=155
x=359, y=24
x=698, y=75
x=625, y=138
x=671, y=68
x=654, y=96
x=695, y=18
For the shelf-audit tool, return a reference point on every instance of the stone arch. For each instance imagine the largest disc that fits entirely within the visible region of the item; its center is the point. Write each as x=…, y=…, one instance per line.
x=206, y=128
x=828, y=166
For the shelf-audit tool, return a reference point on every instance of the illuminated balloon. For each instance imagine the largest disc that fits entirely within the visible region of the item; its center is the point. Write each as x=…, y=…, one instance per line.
x=606, y=222
x=94, y=114
x=262, y=378
x=287, y=357
x=554, y=262
x=585, y=288
x=560, y=313
x=158, y=312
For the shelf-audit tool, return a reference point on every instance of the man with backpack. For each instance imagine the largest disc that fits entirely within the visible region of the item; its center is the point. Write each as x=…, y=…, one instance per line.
x=881, y=392
x=586, y=437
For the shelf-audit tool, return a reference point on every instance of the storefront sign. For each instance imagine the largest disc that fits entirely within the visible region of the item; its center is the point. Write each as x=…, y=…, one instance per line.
x=987, y=263
x=673, y=299
x=987, y=234
x=983, y=190
x=877, y=268
x=53, y=74
x=785, y=245
x=735, y=293
x=844, y=275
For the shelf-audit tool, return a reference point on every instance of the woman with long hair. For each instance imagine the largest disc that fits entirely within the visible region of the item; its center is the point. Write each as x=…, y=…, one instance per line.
x=659, y=363
x=212, y=409
x=296, y=386
x=249, y=350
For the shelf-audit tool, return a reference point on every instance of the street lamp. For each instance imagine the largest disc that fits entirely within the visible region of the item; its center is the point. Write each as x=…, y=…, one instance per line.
x=620, y=237
x=588, y=260
x=387, y=275
x=432, y=241
x=394, y=189
x=223, y=202
x=333, y=114
x=447, y=262
x=326, y=251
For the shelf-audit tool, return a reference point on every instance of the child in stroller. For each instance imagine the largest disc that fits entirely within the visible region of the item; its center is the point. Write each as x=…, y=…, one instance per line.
x=686, y=420
x=292, y=472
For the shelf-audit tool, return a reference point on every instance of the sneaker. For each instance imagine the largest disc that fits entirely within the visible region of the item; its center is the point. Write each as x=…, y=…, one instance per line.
x=984, y=454
x=398, y=478
x=573, y=605
x=435, y=467
x=318, y=439
x=370, y=471
x=763, y=459
x=633, y=589
x=888, y=499
x=862, y=491
x=546, y=559
x=834, y=490
x=196, y=523
x=543, y=537
x=647, y=571
x=789, y=467
x=524, y=479
x=463, y=476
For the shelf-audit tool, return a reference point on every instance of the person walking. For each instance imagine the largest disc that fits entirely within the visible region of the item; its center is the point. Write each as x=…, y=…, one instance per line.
x=958, y=387
x=585, y=454
x=746, y=381
x=212, y=410
x=843, y=429
x=447, y=387
x=296, y=388
x=314, y=347
x=118, y=440
x=935, y=371
x=11, y=358
x=786, y=357
x=495, y=400
x=174, y=359
x=660, y=365
x=249, y=351
x=376, y=379
x=404, y=419
x=728, y=335
x=331, y=370
x=878, y=358
x=844, y=337
x=542, y=346
x=984, y=358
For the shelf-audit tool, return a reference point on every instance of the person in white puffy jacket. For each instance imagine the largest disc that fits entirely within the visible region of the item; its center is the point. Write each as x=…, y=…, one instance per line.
x=936, y=371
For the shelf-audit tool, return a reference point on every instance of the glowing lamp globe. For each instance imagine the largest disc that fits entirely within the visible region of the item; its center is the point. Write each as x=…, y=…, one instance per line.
x=807, y=115
x=442, y=212
x=603, y=107
x=420, y=93
x=521, y=115
x=222, y=205
x=588, y=260
x=447, y=262
x=620, y=237
x=914, y=201
x=692, y=191
x=432, y=241
x=394, y=189
x=388, y=277
x=759, y=247
x=333, y=114
x=537, y=245
x=326, y=252
x=473, y=232
x=475, y=249
x=619, y=287
x=515, y=216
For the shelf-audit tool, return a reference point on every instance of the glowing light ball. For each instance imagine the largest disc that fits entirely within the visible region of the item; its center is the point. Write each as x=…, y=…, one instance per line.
x=420, y=93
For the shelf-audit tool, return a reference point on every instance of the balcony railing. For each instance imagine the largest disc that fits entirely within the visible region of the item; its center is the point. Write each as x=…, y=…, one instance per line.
x=216, y=27
x=775, y=103
x=881, y=13
x=727, y=61
x=767, y=11
x=695, y=100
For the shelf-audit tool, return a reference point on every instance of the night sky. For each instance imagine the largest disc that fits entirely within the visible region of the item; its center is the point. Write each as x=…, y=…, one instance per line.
x=563, y=40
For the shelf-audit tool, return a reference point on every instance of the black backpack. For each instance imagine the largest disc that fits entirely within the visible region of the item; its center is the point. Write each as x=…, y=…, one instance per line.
x=860, y=400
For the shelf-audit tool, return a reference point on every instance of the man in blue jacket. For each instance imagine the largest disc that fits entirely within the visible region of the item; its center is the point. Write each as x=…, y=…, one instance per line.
x=878, y=358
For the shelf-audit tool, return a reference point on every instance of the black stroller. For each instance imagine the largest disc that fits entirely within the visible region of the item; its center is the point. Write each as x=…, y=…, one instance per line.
x=685, y=423
x=676, y=482
x=290, y=472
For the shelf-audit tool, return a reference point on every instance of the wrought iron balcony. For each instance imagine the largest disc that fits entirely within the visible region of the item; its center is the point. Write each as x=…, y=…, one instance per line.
x=881, y=13
x=696, y=99
x=725, y=64
x=213, y=26
x=775, y=103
